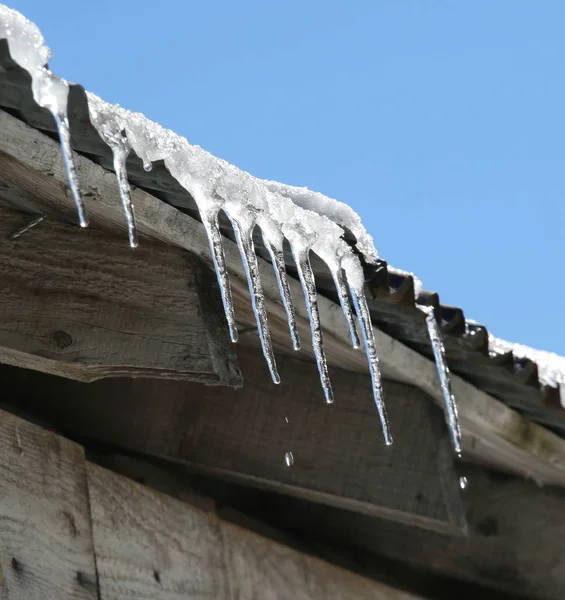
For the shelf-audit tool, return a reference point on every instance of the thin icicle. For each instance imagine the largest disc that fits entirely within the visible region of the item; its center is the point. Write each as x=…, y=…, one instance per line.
x=362, y=310
x=210, y=222
x=62, y=121
x=279, y=266
x=120, y=151
x=444, y=376
x=309, y=286
x=244, y=239
x=341, y=287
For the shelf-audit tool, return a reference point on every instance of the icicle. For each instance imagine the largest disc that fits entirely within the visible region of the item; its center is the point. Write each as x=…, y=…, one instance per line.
x=62, y=121
x=341, y=287
x=309, y=286
x=244, y=239
x=277, y=258
x=362, y=310
x=444, y=377
x=120, y=151
x=210, y=222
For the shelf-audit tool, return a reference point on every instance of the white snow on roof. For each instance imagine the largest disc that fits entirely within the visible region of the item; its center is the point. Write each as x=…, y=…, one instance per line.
x=551, y=366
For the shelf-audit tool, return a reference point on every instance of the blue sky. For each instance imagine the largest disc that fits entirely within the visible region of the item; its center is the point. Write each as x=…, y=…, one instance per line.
x=441, y=123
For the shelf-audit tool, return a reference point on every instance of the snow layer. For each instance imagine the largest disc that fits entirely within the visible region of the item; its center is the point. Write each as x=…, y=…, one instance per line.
x=551, y=366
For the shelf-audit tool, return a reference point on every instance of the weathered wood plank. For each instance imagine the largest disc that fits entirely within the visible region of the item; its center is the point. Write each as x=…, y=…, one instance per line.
x=84, y=306
x=492, y=431
x=151, y=546
x=45, y=531
x=515, y=540
x=340, y=457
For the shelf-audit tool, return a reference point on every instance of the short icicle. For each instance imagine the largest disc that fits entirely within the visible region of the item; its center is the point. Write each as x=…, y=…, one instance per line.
x=362, y=310
x=309, y=286
x=444, y=376
x=341, y=287
x=277, y=258
x=62, y=122
x=244, y=239
x=210, y=222
x=120, y=151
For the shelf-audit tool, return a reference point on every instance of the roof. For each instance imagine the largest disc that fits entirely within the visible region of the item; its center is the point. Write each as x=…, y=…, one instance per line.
x=509, y=373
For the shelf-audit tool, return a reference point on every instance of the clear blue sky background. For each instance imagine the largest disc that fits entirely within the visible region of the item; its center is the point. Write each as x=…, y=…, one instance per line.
x=441, y=123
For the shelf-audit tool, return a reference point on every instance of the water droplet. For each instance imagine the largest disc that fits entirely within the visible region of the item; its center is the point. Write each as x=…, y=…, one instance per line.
x=147, y=166
x=289, y=459
x=463, y=482
x=286, y=419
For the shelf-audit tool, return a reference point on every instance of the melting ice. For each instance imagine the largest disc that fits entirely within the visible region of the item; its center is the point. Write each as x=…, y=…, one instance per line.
x=309, y=221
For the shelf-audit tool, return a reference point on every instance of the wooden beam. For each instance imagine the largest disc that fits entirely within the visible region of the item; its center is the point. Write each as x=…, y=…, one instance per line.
x=46, y=546
x=85, y=307
x=514, y=542
x=32, y=163
x=338, y=451
x=149, y=546
x=71, y=530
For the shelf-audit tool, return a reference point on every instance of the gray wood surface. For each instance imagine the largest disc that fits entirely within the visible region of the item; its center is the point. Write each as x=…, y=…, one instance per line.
x=82, y=305
x=150, y=546
x=46, y=550
x=339, y=454
x=32, y=164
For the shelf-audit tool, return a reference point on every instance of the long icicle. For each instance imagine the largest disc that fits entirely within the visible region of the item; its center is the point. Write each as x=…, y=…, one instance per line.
x=62, y=122
x=244, y=239
x=444, y=376
x=120, y=151
x=341, y=287
x=362, y=310
x=279, y=266
x=306, y=276
x=210, y=222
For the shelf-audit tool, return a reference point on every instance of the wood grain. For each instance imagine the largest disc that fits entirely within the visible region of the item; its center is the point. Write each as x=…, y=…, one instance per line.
x=339, y=453
x=149, y=546
x=46, y=547
x=85, y=307
x=32, y=163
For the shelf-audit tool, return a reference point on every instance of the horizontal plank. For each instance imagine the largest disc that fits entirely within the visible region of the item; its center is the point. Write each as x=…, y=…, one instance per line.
x=151, y=546
x=492, y=431
x=83, y=306
x=46, y=548
x=338, y=451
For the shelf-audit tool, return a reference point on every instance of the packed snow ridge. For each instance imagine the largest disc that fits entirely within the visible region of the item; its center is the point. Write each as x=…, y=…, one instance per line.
x=309, y=221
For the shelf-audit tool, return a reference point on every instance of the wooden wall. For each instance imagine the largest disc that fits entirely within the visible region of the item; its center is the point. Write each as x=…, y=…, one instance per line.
x=70, y=529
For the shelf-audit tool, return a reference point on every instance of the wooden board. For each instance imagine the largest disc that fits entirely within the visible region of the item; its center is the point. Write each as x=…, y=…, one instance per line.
x=82, y=305
x=32, y=163
x=339, y=454
x=149, y=546
x=46, y=547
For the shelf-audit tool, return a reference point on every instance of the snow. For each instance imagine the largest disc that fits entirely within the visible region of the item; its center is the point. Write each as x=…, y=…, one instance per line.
x=310, y=222
x=551, y=366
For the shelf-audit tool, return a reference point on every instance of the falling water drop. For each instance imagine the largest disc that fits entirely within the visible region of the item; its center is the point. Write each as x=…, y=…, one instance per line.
x=147, y=166
x=289, y=459
x=286, y=419
x=244, y=241
x=444, y=376
x=341, y=287
x=309, y=286
x=277, y=258
x=362, y=310
x=62, y=121
x=463, y=482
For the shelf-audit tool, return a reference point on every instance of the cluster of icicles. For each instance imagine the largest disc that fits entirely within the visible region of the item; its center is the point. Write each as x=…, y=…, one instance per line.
x=310, y=222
